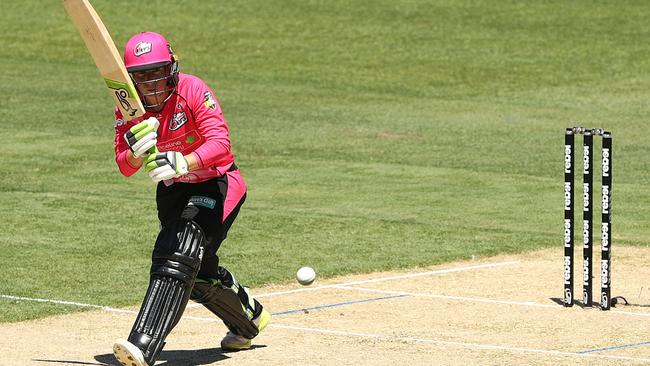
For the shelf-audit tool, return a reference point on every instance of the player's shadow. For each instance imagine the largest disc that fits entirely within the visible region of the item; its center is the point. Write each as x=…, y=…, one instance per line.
x=181, y=357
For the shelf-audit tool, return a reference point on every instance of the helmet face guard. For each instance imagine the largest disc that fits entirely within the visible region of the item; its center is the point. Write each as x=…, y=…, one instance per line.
x=155, y=85
x=149, y=59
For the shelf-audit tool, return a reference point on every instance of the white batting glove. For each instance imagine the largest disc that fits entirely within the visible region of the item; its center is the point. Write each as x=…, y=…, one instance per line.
x=142, y=137
x=166, y=165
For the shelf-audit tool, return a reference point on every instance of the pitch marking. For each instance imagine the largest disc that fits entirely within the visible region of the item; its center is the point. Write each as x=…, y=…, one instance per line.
x=459, y=344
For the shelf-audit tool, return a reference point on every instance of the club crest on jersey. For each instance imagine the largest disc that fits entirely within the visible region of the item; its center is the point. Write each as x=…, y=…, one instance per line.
x=208, y=101
x=178, y=120
x=141, y=48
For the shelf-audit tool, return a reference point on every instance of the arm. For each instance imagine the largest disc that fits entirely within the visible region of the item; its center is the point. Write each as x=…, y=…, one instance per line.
x=133, y=161
x=216, y=150
x=124, y=158
x=133, y=143
x=192, y=162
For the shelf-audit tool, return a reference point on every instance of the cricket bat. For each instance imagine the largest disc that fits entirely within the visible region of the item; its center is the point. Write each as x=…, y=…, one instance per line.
x=106, y=57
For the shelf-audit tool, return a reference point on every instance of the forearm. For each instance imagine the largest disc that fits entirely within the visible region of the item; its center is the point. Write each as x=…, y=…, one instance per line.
x=214, y=152
x=127, y=163
x=133, y=144
x=133, y=161
x=136, y=162
x=192, y=162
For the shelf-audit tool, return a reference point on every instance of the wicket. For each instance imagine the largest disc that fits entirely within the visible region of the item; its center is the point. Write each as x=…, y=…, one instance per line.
x=587, y=215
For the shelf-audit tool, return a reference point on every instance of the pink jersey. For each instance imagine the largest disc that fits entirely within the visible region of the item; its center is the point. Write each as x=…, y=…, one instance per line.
x=190, y=122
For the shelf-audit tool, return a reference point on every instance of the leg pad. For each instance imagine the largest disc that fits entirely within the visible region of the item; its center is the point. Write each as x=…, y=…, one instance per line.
x=230, y=302
x=175, y=263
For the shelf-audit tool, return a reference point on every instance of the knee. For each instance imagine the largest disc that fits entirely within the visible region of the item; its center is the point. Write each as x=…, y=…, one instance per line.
x=178, y=251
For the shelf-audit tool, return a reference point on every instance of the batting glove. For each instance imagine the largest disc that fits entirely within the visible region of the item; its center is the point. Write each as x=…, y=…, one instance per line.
x=142, y=137
x=165, y=165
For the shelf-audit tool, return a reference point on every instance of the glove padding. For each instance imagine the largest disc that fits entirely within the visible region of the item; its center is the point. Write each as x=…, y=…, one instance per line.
x=165, y=165
x=142, y=137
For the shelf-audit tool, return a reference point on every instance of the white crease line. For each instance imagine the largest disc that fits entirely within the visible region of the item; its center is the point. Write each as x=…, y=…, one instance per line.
x=51, y=301
x=340, y=286
x=458, y=344
x=352, y=334
x=105, y=308
x=449, y=297
x=60, y=302
x=477, y=299
x=381, y=279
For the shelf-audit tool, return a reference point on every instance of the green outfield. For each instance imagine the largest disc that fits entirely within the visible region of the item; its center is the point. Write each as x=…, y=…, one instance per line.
x=374, y=135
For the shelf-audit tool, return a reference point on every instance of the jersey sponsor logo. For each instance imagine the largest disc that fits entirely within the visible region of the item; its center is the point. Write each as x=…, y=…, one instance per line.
x=172, y=145
x=208, y=100
x=202, y=201
x=141, y=48
x=119, y=122
x=177, y=121
x=181, y=142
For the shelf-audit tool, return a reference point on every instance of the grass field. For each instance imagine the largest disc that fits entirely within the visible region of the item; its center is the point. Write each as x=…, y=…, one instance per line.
x=374, y=135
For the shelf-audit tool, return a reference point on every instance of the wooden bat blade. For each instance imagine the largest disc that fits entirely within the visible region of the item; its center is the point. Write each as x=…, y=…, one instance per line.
x=106, y=57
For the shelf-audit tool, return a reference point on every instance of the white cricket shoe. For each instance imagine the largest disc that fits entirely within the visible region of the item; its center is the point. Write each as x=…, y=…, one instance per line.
x=128, y=354
x=235, y=342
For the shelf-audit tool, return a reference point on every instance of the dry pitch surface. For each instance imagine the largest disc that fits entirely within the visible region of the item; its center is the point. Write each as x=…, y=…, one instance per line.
x=494, y=311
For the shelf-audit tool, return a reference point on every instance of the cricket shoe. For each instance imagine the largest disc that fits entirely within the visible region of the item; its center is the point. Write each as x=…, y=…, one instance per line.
x=128, y=354
x=235, y=342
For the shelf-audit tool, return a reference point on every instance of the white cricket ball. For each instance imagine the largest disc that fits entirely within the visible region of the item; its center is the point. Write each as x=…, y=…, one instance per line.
x=305, y=276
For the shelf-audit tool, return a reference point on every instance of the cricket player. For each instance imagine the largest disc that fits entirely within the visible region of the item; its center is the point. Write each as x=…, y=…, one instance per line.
x=183, y=143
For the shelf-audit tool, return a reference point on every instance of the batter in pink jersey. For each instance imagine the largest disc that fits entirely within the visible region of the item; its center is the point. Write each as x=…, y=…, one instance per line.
x=183, y=143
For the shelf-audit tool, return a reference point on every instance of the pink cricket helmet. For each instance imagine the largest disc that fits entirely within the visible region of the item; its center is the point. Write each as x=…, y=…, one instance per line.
x=147, y=50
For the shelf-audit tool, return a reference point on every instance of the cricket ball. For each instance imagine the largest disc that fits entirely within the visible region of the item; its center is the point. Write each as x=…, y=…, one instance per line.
x=305, y=276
